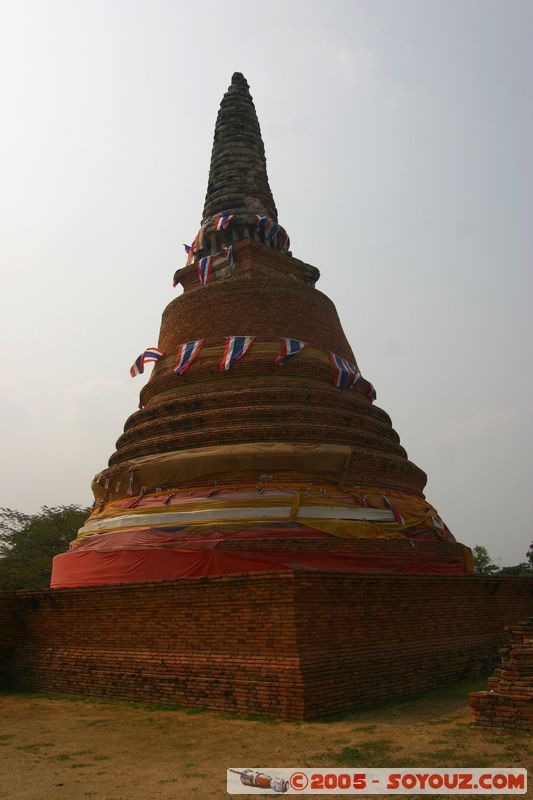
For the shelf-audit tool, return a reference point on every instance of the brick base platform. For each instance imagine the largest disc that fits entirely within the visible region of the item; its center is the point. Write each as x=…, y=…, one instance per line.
x=291, y=645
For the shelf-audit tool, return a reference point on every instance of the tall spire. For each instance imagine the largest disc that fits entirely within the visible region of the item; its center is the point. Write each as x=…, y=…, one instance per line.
x=238, y=180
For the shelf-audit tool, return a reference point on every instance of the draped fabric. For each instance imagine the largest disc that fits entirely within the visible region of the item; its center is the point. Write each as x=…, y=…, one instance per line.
x=86, y=568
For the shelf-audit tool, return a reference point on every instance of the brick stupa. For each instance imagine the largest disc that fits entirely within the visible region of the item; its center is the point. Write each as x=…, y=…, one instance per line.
x=266, y=465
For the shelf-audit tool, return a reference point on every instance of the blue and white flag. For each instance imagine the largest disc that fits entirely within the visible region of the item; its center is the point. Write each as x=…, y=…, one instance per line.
x=151, y=354
x=234, y=349
x=288, y=348
x=186, y=354
x=345, y=374
x=187, y=248
x=205, y=265
x=222, y=222
x=260, y=221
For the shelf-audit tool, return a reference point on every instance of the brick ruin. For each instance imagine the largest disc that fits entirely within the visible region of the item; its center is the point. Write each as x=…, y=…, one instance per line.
x=508, y=703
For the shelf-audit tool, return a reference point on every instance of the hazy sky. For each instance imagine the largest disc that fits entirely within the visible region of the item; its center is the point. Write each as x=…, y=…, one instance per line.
x=398, y=137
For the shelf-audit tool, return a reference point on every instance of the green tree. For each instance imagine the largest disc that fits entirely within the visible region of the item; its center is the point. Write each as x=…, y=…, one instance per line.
x=517, y=569
x=28, y=542
x=482, y=561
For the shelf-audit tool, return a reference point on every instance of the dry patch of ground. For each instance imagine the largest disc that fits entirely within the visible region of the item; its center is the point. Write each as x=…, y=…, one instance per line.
x=62, y=748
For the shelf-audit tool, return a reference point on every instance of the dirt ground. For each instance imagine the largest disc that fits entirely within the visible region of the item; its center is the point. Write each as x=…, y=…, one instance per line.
x=73, y=748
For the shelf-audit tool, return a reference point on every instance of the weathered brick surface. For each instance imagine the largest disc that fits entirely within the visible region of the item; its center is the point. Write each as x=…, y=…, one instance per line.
x=9, y=635
x=509, y=701
x=209, y=642
x=374, y=637
x=254, y=308
x=257, y=400
x=289, y=645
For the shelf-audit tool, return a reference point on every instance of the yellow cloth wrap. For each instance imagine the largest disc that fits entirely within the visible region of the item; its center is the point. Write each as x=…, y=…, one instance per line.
x=469, y=559
x=412, y=508
x=356, y=529
x=290, y=498
x=183, y=467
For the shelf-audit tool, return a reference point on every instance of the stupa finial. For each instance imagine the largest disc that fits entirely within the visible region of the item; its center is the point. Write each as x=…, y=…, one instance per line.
x=238, y=79
x=238, y=180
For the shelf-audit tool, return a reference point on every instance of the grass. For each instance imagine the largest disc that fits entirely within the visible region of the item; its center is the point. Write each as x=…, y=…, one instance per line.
x=418, y=703
x=440, y=699
x=145, y=747
x=266, y=720
x=374, y=752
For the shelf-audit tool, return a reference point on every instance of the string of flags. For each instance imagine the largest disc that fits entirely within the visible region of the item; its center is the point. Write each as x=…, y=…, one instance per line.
x=222, y=222
x=149, y=355
x=235, y=348
x=270, y=229
x=186, y=354
x=262, y=223
x=345, y=373
x=289, y=347
x=205, y=267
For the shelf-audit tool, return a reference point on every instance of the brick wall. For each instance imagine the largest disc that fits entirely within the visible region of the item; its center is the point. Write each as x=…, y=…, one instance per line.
x=290, y=645
x=9, y=632
x=368, y=638
x=211, y=642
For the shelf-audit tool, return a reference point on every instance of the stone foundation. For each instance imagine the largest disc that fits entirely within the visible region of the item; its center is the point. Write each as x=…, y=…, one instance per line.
x=290, y=645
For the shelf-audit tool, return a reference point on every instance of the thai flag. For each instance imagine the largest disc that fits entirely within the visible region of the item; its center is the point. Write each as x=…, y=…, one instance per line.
x=151, y=354
x=234, y=349
x=397, y=516
x=187, y=248
x=284, y=242
x=260, y=221
x=186, y=354
x=357, y=376
x=345, y=373
x=222, y=222
x=205, y=265
x=196, y=245
x=228, y=252
x=371, y=393
x=288, y=348
x=271, y=230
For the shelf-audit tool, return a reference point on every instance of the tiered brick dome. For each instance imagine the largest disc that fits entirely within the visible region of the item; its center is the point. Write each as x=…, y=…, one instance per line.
x=262, y=466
